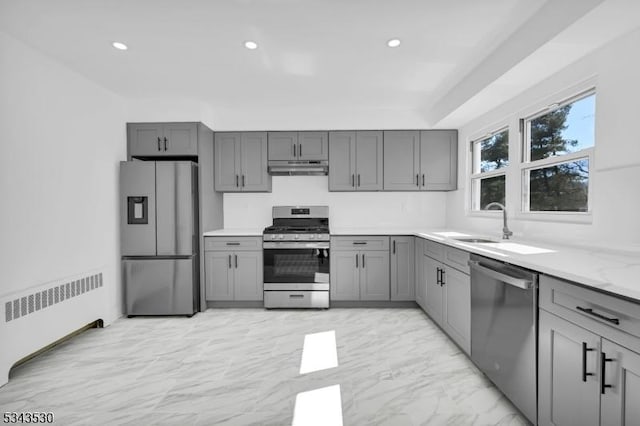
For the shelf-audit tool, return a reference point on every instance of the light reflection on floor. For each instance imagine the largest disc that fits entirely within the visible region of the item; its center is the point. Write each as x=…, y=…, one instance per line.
x=321, y=407
x=319, y=352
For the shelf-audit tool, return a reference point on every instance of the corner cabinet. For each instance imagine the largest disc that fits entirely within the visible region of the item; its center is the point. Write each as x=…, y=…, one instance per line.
x=355, y=160
x=233, y=268
x=446, y=286
x=149, y=140
x=298, y=146
x=402, y=268
x=420, y=160
x=589, y=357
x=241, y=162
x=360, y=268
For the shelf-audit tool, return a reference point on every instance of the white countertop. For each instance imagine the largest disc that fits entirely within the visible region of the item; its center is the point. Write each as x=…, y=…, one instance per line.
x=616, y=272
x=612, y=271
x=234, y=232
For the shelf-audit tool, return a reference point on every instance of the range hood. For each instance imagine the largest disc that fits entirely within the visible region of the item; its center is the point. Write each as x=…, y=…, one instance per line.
x=298, y=167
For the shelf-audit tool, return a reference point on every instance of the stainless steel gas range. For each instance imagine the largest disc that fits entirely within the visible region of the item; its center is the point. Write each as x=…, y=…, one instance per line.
x=296, y=258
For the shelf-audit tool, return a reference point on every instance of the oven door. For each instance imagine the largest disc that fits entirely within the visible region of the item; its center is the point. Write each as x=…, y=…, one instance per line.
x=296, y=266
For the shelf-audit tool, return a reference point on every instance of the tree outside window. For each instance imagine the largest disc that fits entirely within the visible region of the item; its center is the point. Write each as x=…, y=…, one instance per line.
x=490, y=157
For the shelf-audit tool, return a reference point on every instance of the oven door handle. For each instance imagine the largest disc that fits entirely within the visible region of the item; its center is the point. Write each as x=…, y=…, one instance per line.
x=293, y=245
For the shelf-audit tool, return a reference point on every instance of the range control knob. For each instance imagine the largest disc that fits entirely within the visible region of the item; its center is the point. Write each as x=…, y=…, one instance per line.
x=312, y=237
x=319, y=236
x=296, y=237
x=281, y=236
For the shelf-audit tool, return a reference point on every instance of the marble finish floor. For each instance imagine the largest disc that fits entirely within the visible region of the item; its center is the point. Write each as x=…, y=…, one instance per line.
x=241, y=367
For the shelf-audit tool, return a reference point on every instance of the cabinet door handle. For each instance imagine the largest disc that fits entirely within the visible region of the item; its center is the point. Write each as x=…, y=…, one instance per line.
x=229, y=261
x=442, y=272
x=423, y=179
x=356, y=260
x=359, y=243
x=243, y=181
x=358, y=179
x=165, y=144
x=236, y=259
x=363, y=260
x=438, y=276
x=353, y=180
x=159, y=144
x=294, y=149
x=603, y=367
x=394, y=246
x=589, y=311
x=237, y=181
x=300, y=150
x=585, y=349
x=418, y=179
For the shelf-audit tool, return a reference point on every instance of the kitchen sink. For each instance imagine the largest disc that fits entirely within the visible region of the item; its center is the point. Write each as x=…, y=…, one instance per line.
x=474, y=240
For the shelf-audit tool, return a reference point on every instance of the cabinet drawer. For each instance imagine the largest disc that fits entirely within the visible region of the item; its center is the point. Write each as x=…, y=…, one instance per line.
x=365, y=242
x=590, y=309
x=232, y=244
x=435, y=250
x=457, y=259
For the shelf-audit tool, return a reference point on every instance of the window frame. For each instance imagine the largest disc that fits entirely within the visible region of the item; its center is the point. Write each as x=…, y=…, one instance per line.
x=479, y=176
x=526, y=165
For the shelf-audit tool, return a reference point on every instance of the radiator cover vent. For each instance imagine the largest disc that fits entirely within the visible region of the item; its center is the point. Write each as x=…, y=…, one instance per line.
x=42, y=299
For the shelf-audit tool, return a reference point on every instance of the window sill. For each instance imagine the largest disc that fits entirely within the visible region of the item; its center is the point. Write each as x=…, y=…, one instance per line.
x=559, y=217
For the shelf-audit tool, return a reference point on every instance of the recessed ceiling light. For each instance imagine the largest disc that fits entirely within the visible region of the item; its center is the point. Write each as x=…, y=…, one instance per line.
x=394, y=42
x=251, y=45
x=119, y=46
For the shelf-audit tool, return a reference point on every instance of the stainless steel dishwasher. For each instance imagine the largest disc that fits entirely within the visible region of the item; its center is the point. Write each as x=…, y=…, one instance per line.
x=504, y=309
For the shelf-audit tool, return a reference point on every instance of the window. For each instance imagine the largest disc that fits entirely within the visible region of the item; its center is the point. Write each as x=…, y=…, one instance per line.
x=489, y=157
x=558, y=148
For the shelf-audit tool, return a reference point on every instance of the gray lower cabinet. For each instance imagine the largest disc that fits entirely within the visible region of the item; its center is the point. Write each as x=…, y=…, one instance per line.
x=448, y=291
x=233, y=274
x=241, y=162
x=298, y=146
x=402, y=268
x=355, y=159
x=360, y=268
x=420, y=160
x=567, y=397
x=420, y=281
x=588, y=357
x=162, y=139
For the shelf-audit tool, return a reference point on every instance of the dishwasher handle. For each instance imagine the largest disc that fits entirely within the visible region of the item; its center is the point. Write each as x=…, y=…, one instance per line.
x=522, y=283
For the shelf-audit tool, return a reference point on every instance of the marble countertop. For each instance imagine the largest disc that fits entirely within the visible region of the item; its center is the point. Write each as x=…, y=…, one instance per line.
x=606, y=269
x=235, y=232
x=612, y=271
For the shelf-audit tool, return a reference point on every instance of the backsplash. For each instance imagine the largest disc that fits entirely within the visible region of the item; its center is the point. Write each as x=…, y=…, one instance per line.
x=346, y=209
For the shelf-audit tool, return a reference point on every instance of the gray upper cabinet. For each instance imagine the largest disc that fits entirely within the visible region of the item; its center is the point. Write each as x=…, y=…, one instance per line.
x=420, y=160
x=355, y=161
x=402, y=268
x=162, y=139
x=438, y=160
x=283, y=145
x=298, y=146
x=241, y=162
x=313, y=146
x=401, y=160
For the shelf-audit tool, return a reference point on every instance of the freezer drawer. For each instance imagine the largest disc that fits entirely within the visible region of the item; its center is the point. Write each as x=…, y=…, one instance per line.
x=160, y=286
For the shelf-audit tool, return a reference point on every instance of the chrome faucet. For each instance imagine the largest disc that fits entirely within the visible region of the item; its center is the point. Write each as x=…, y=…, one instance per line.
x=506, y=233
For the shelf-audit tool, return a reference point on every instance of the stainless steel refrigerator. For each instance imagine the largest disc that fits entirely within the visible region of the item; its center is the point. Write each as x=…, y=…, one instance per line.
x=159, y=243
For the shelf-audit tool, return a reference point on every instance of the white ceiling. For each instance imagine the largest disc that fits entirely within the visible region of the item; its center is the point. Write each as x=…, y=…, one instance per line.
x=312, y=53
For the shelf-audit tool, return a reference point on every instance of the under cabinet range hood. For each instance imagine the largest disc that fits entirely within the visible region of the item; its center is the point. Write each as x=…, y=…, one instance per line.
x=298, y=167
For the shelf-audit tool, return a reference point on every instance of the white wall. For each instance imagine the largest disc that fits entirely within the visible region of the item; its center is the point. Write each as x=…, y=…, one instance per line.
x=62, y=139
x=346, y=209
x=615, y=172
